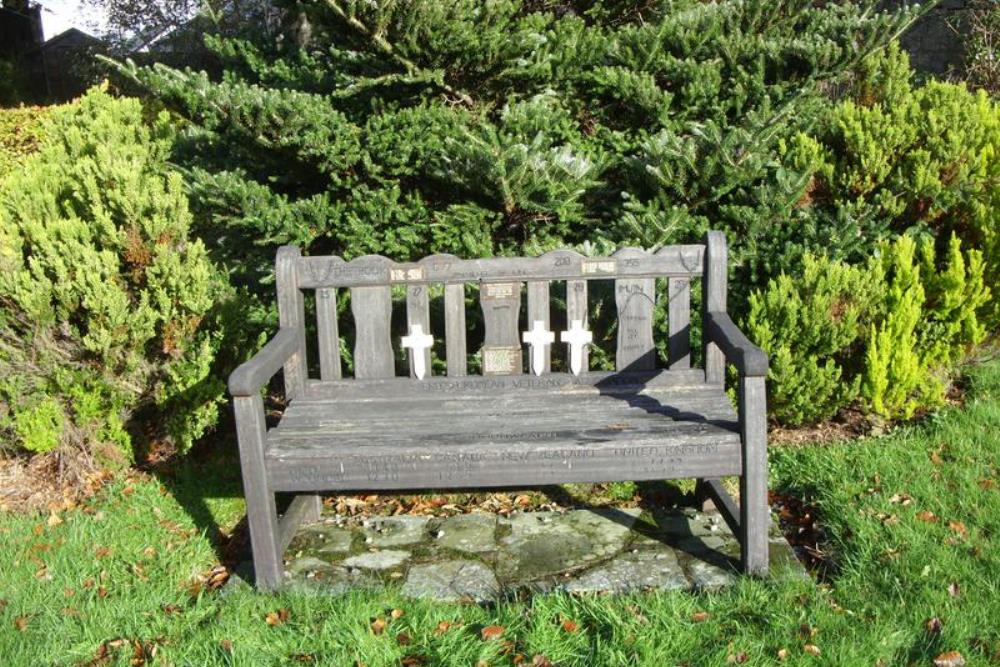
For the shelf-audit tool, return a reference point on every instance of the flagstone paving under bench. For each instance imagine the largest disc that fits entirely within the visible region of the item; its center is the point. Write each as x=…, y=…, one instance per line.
x=478, y=557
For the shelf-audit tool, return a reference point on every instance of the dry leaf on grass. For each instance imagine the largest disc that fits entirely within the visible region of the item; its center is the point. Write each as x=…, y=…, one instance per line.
x=378, y=626
x=492, y=632
x=949, y=659
x=926, y=516
x=933, y=625
x=811, y=649
x=277, y=617
x=569, y=626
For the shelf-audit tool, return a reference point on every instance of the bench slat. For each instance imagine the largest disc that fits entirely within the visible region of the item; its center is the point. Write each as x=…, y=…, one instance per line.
x=577, y=309
x=538, y=310
x=679, y=323
x=328, y=333
x=372, y=309
x=635, y=298
x=504, y=464
x=454, y=329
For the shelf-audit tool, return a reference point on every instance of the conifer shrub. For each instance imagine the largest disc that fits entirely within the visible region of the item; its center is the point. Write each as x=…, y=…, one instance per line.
x=886, y=335
x=422, y=126
x=107, y=304
x=20, y=134
x=894, y=157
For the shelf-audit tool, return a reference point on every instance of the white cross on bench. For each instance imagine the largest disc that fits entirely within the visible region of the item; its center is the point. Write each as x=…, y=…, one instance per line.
x=417, y=342
x=538, y=338
x=577, y=337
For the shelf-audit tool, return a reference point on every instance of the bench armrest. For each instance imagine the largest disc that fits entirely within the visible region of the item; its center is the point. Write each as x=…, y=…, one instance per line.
x=749, y=359
x=250, y=376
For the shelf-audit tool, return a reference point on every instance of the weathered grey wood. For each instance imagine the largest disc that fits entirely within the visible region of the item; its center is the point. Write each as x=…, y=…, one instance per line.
x=714, y=300
x=291, y=315
x=679, y=323
x=715, y=492
x=328, y=332
x=577, y=309
x=249, y=378
x=262, y=516
x=594, y=381
x=302, y=509
x=501, y=304
x=754, y=514
x=500, y=464
x=372, y=309
x=635, y=299
x=454, y=329
x=418, y=312
x=538, y=311
x=735, y=346
x=564, y=265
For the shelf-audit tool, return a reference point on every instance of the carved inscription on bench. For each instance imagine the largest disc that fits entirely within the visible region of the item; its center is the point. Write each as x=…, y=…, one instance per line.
x=542, y=463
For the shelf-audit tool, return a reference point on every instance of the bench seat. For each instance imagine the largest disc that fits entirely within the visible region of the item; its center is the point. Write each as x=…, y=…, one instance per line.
x=383, y=435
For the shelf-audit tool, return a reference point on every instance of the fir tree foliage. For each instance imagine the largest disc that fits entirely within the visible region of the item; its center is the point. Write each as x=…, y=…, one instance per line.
x=476, y=128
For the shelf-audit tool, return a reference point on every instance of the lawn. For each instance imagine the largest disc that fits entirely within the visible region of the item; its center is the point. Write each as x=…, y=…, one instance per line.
x=913, y=553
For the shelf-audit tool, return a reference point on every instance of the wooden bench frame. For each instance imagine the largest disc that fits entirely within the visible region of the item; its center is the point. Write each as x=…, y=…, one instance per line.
x=370, y=279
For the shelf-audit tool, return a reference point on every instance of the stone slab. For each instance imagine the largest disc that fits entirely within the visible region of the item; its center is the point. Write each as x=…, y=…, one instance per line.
x=482, y=557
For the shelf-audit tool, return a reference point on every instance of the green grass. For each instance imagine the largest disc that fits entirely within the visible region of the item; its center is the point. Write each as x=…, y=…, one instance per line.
x=893, y=572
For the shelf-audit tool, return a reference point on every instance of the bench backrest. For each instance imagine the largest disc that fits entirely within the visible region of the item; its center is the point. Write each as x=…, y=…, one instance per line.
x=370, y=280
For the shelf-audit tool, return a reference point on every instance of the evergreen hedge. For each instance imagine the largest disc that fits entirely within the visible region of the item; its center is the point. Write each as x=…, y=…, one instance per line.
x=107, y=306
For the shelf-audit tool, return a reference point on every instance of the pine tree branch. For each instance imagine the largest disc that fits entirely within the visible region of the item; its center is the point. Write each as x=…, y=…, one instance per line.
x=386, y=47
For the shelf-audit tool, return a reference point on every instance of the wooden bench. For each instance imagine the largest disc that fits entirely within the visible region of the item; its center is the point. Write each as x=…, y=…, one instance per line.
x=518, y=423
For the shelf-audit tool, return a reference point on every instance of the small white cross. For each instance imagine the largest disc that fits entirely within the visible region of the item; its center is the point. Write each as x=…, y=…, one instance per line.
x=538, y=338
x=577, y=337
x=417, y=342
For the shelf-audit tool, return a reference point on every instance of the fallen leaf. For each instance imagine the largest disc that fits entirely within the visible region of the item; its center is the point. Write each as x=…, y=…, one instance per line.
x=170, y=609
x=443, y=627
x=277, y=617
x=101, y=552
x=149, y=552
x=412, y=661
x=926, y=515
x=68, y=592
x=936, y=459
x=541, y=661
x=21, y=623
x=699, y=616
x=227, y=645
x=492, y=631
x=569, y=626
x=402, y=639
x=954, y=589
x=782, y=653
x=958, y=527
x=377, y=626
x=811, y=649
x=949, y=659
x=54, y=519
x=102, y=592
x=737, y=658
x=986, y=484
x=933, y=625
x=397, y=613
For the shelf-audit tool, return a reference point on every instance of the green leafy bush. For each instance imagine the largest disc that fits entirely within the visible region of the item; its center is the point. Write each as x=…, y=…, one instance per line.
x=20, y=134
x=106, y=303
x=895, y=157
x=887, y=333
x=810, y=326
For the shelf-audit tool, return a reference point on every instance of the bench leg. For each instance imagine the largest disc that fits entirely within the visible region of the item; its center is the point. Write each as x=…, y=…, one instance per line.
x=262, y=515
x=755, y=515
x=702, y=500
